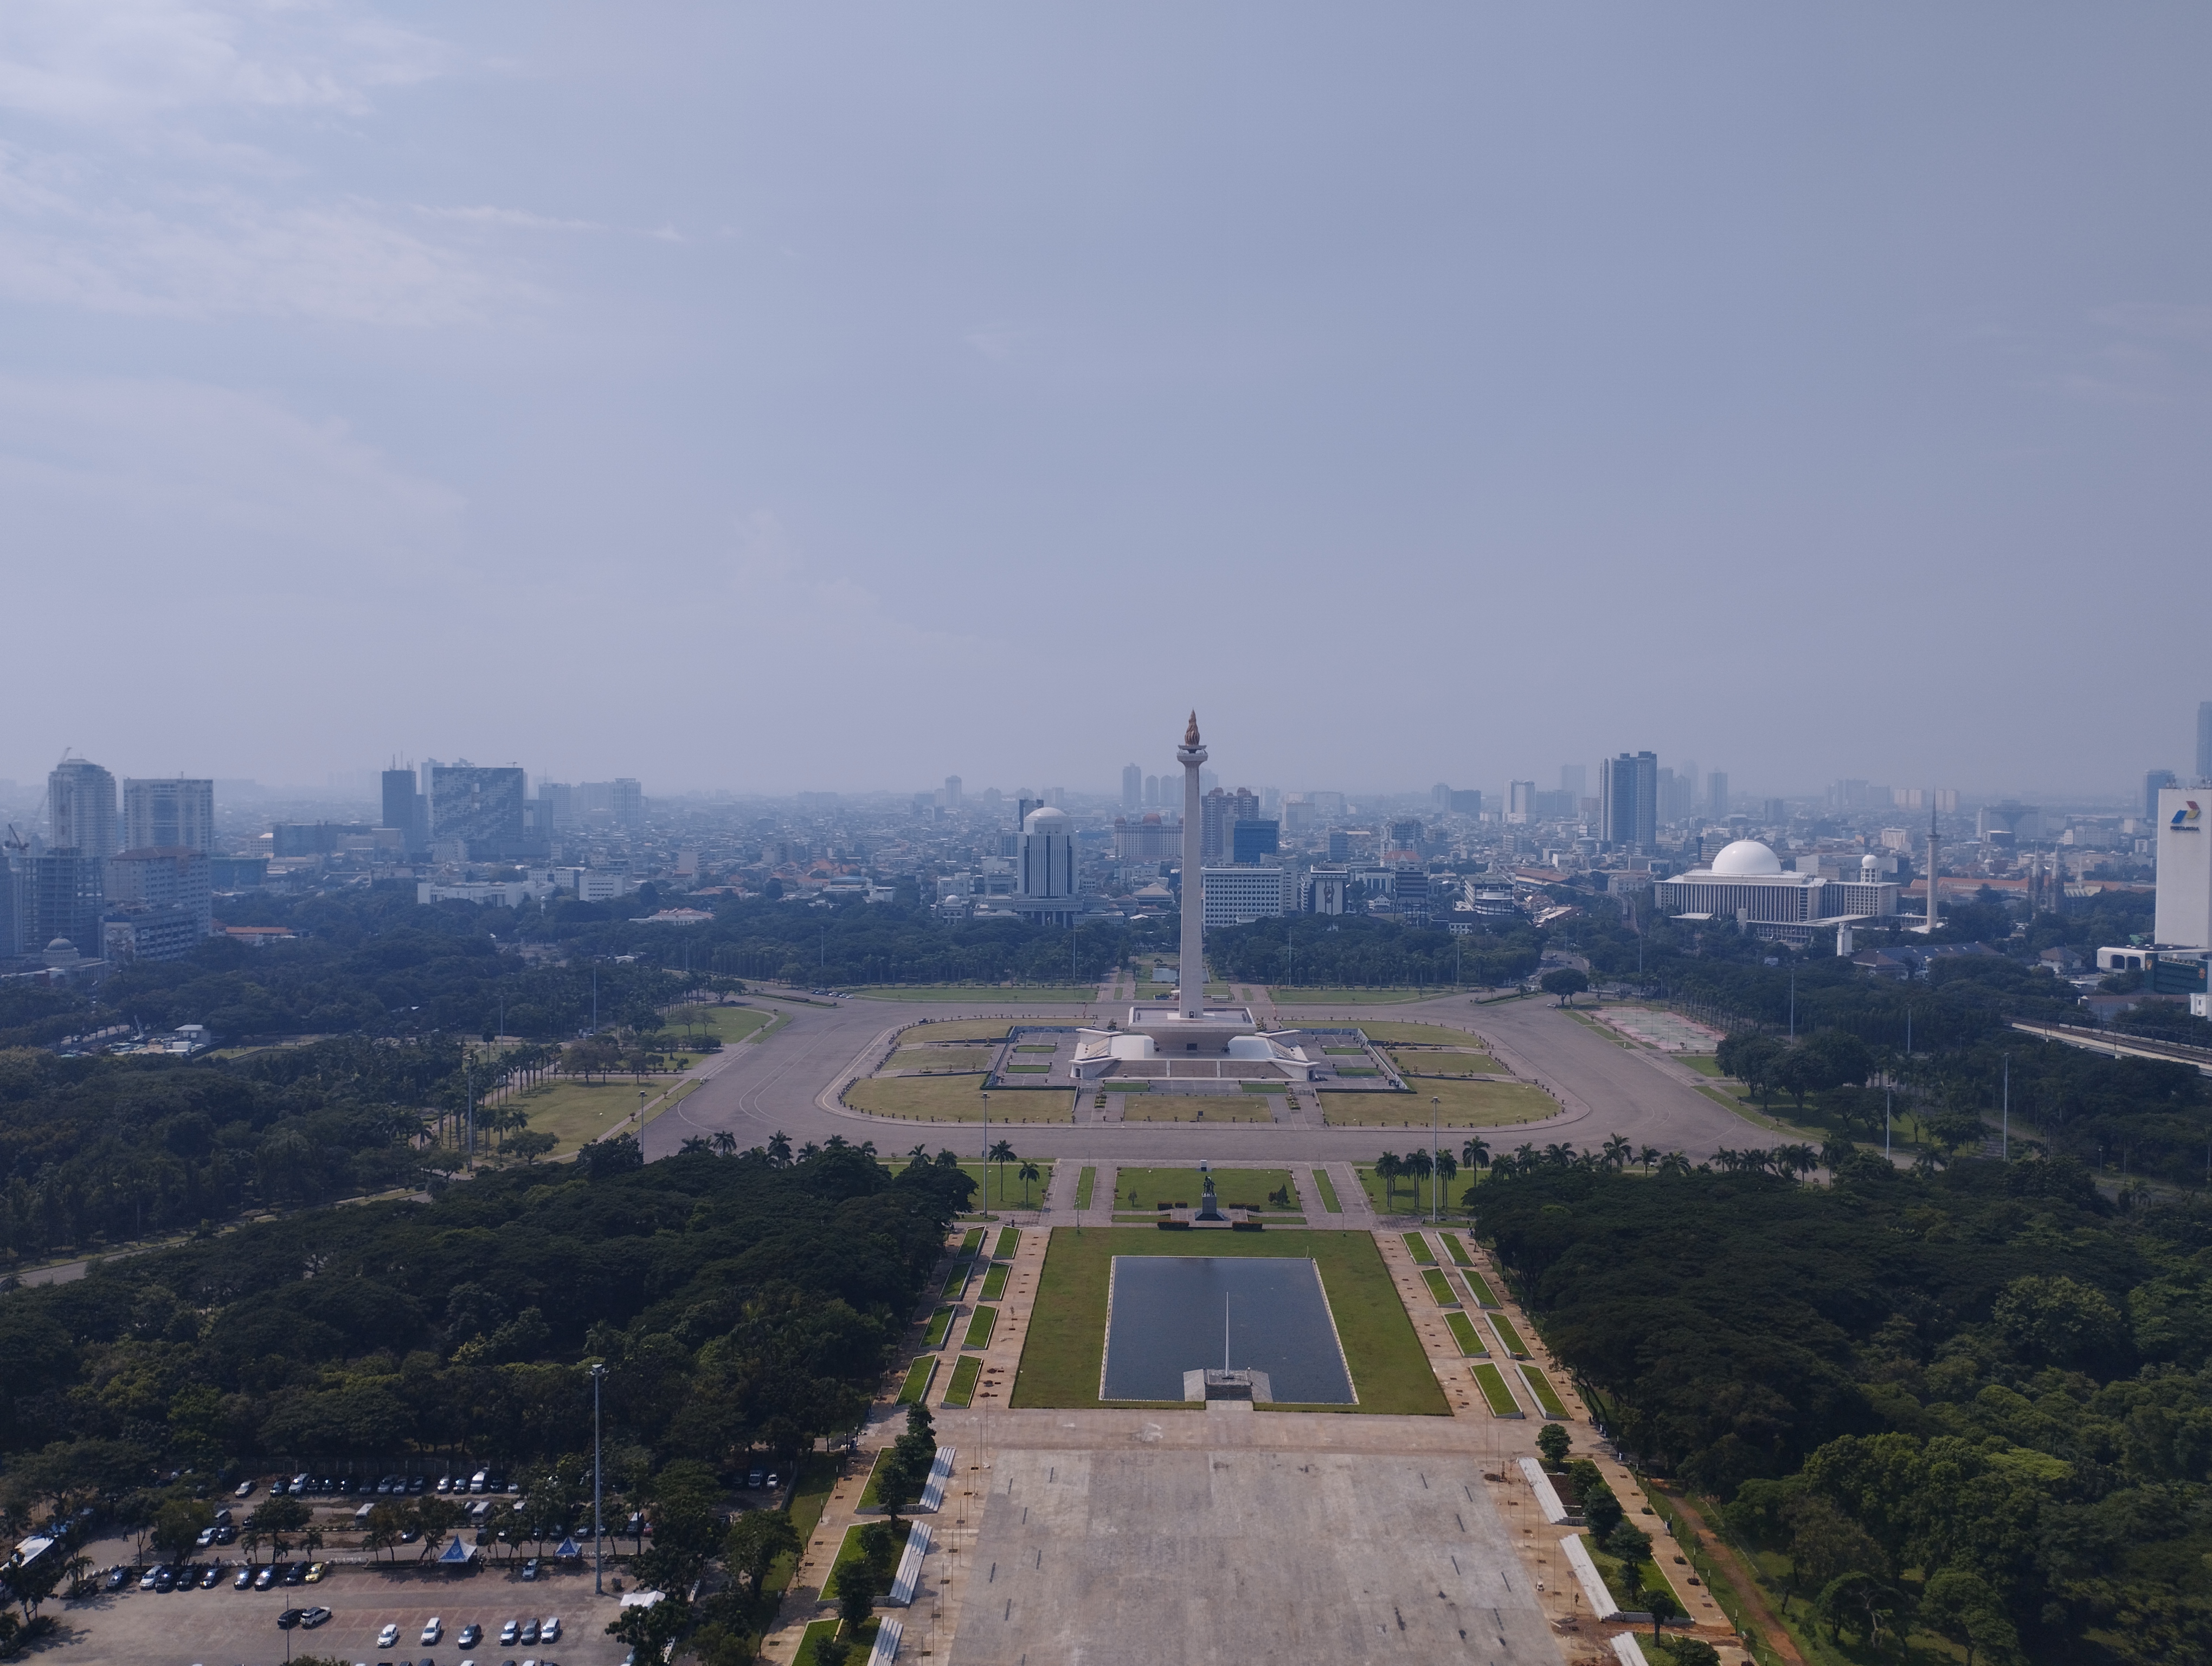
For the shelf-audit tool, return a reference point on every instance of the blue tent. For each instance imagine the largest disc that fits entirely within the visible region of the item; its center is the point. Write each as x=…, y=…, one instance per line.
x=569, y=1550
x=457, y=1554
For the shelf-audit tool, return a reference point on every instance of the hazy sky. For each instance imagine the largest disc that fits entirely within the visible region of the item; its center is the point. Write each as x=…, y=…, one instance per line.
x=833, y=396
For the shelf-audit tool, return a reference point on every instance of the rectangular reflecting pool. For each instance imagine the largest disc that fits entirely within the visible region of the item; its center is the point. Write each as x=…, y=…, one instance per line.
x=1164, y=1315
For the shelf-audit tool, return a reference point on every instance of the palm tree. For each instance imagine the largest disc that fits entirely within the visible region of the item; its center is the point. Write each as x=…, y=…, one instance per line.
x=1447, y=1172
x=1418, y=1167
x=1026, y=1173
x=1674, y=1163
x=919, y=1154
x=724, y=1142
x=1647, y=1157
x=1475, y=1153
x=1618, y=1152
x=1003, y=1153
x=1387, y=1169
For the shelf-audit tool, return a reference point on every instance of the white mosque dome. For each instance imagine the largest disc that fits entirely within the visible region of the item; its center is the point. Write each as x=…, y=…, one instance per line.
x=1747, y=859
x=1046, y=819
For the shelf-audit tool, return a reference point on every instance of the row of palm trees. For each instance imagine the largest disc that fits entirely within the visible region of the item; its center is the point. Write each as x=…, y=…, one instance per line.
x=1002, y=1152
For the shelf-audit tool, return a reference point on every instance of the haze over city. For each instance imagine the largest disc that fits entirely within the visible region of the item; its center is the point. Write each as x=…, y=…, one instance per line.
x=762, y=400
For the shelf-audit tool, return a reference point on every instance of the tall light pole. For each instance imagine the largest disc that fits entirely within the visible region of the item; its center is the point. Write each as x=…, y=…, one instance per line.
x=1435, y=1184
x=599, y=1531
x=2004, y=1148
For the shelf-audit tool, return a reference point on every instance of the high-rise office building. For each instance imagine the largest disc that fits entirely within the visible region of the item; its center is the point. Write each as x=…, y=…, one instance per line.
x=158, y=904
x=952, y=792
x=1405, y=836
x=1222, y=812
x=1152, y=792
x=62, y=895
x=1044, y=869
x=2204, y=740
x=1575, y=778
x=1133, y=786
x=1248, y=841
x=1716, y=797
x=81, y=810
x=405, y=811
x=172, y=814
x=1520, y=801
x=479, y=807
x=1628, y=800
x=2152, y=781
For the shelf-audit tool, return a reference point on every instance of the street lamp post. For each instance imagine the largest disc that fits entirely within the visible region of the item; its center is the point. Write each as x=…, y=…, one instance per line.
x=1434, y=1151
x=598, y=1529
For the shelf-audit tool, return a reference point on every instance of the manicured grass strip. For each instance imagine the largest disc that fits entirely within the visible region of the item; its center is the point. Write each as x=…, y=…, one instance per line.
x=1327, y=1187
x=1237, y=1189
x=971, y=1240
x=868, y=1492
x=1037, y=1047
x=980, y=1324
x=1483, y=1292
x=1083, y=1183
x=1458, y=1250
x=817, y=1478
x=1060, y=1357
x=1546, y=1396
x=1463, y=1333
x=818, y=1632
x=956, y=1281
x=1356, y=1052
x=995, y=1282
x=1501, y=1403
x=962, y=1388
x=1440, y=1287
x=1417, y=1246
x=940, y=1322
x=1010, y=1239
x=1510, y=1336
x=919, y=1376
x=1029, y=1070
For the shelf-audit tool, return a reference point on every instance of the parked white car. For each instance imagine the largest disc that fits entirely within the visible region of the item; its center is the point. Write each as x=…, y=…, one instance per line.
x=433, y=1629
x=550, y=1630
x=387, y=1638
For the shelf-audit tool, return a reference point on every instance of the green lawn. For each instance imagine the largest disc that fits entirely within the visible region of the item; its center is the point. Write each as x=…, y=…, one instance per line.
x=1010, y=1241
x=1083, y=1182
x=1705, y=1064
x=1460, y=1105
x=1327, y=1187
x=953, y=1030
x=980, y=1323
x=1237, y=1189
x=728, y=1024
x=956, y=1282
x=962, y=1388
x=1460, y=1257
x=1509, y=1336
x=919, y=1376
x=1286, y=997
x=1423, y=1063
x=983, y=994
x=1417, y=1246
x=1463, y=1333
x=1546, y=1396
x=1027, y=1070
x=1440, y=1288
x=1411, y=1197
x=819, y=1631
x=577, y=1113
x=971, y=1241
x=1501, y=1403
x=956, y=1099
x=999, y=1185
x=941, y=1061
x=1483, y=1292
x=1345, y=1052
x=1067, y=1344
x=810, y=1495
x=1435, y=1035
x=1177, y=1107
x=995, y=1282
x=940, y=1325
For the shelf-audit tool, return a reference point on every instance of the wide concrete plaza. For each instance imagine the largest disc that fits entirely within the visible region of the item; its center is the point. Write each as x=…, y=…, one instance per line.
x=1232, y=1553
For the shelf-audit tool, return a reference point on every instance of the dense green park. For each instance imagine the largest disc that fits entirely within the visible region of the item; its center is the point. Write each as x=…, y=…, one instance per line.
x=1975, y=1401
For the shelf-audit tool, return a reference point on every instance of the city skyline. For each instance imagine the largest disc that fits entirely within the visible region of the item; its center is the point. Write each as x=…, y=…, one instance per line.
x=564, y=392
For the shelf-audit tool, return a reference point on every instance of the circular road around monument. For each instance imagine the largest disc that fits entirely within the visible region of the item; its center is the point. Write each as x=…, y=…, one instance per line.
x=788, y=1084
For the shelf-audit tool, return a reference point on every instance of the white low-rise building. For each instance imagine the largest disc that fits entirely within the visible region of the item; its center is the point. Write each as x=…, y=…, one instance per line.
x=1235, y=895
x=1745, y=883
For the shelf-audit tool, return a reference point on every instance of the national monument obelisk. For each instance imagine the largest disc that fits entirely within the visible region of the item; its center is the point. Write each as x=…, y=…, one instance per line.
x=1190, y=755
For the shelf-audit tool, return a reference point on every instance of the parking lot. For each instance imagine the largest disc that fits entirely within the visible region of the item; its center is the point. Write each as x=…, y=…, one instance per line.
x=226, y=1628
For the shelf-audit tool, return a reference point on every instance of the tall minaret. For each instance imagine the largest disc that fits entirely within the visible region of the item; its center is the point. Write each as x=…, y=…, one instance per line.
x=1932, y=916
x=1190, y=755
